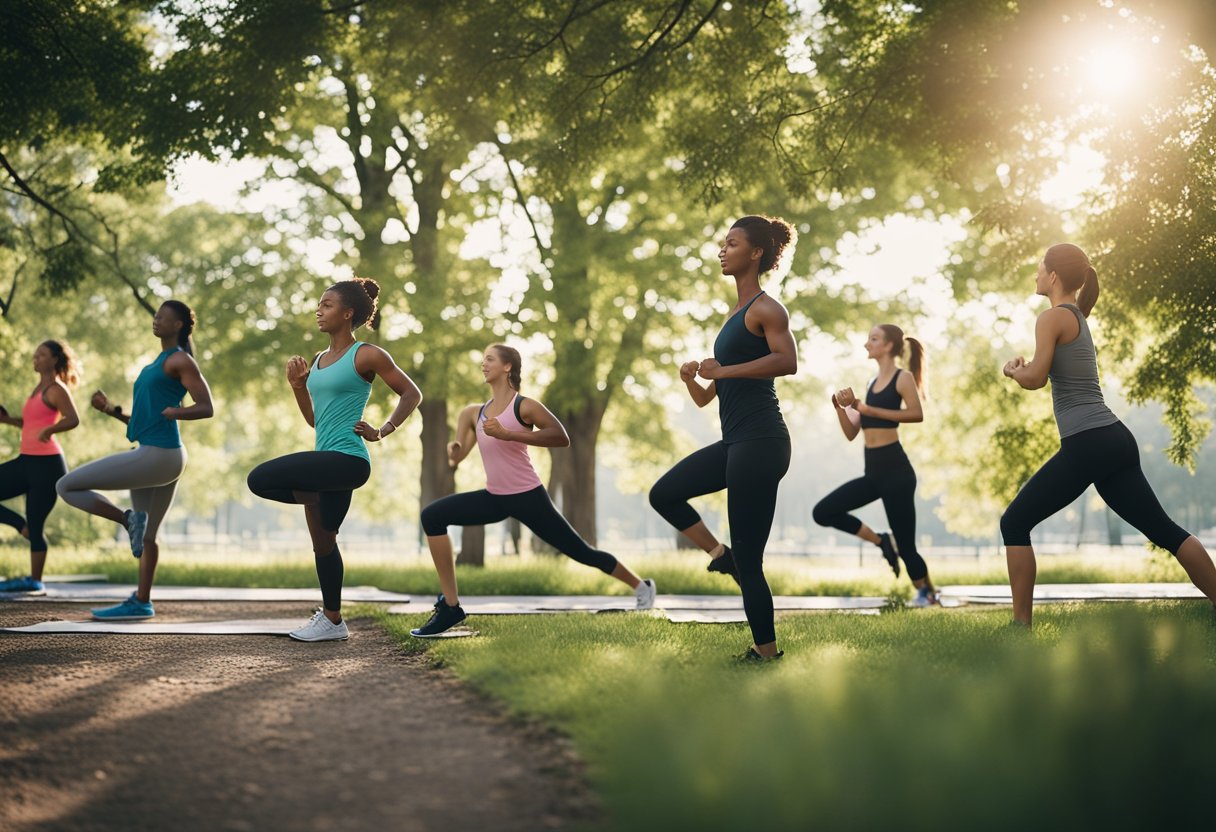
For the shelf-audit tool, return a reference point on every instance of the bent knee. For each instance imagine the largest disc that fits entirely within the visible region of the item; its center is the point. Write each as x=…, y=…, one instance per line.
x=1014, y=531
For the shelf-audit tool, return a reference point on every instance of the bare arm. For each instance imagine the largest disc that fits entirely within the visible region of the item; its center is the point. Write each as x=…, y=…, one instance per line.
x=184, y=368
x=849, y=418
x=101, y=402
x=61, y=400
x=549, y=431
x=297, y=377
x=371, y=359
x=466, y=435
x=701, y=395
x=912, y=411
x=782, y=359
x=1048, y=328
x=6, y=419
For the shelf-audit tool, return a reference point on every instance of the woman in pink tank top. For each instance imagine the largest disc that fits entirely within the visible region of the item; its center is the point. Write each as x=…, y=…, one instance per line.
x=503, y=429
x=49, y=410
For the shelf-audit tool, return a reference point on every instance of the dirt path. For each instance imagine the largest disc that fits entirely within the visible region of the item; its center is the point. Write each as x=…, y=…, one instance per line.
x=260, y=733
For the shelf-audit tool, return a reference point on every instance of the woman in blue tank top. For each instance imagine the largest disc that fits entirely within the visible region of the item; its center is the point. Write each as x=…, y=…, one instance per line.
x=754, y=347
x=152, y=470
x=892, y=398
x=331, y=395
x=1095, y=447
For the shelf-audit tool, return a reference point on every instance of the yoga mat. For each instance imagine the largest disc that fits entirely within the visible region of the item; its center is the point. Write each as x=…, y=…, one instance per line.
x=99, y=593
x=542, y=604
x=999, y=593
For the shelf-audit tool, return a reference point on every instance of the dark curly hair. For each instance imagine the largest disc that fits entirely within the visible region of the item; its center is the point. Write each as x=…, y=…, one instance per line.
x=772, y=234
x=359, y=294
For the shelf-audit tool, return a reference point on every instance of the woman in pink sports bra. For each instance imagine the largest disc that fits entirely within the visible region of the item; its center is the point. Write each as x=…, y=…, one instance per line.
x=49, y=410
x=503, y=428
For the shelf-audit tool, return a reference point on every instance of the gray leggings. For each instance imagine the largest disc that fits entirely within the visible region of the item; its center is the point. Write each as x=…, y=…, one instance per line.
x=150, y=473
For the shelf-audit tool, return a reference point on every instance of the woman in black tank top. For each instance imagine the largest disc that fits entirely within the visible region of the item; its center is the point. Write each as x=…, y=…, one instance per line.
x=888, y=474
x=754, y=347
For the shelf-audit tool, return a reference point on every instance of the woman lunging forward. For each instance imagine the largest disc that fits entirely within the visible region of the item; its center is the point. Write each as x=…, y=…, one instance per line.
x=502, y=429
x=152, y=470
x=331, y=395
x=892, y=397
x=48, y=410
x=1095, y=447
x=754, y=346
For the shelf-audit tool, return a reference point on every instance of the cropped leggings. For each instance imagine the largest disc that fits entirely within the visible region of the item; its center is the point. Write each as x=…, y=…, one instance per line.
x=750, y=472
x=333, y=476
x=35, y=477
x=1107, y=458
x=149, y=472
x=532, y=508
x=888, y=477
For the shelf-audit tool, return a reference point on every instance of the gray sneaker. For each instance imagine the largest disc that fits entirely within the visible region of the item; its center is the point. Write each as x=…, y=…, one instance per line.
x=137, y=524
x=320, y=628
x=644, y=593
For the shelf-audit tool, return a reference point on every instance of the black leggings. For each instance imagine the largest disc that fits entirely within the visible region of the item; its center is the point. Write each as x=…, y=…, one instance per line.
x=532, y=508
x=1108, y=458
x=35, y=477
x=750, y=472
x=889, y=477
x=331, y=475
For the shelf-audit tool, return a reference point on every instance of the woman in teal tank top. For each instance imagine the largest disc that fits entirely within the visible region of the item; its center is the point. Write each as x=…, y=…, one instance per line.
x=152, y=470
x=331, y=395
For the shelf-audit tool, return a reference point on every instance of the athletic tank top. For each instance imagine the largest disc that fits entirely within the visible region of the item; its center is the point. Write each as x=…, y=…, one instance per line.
x=888, y=399
x=36, y=415
x=1076, y=395
x=508, y=465
x=747, y=407
x=339, y=395
x=154, y=391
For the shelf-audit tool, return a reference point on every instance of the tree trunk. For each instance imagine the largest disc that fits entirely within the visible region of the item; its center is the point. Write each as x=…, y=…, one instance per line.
x=473, y=546
x=437, y=478
x=573, y=480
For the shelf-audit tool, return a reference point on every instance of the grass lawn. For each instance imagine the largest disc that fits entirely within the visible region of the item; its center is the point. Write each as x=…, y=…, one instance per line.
x=682, y=573
x=1103, y=717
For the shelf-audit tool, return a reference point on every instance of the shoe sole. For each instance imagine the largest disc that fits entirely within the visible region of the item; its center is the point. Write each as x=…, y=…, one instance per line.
x=295, y=637
x=122, y=617
x=440, y=634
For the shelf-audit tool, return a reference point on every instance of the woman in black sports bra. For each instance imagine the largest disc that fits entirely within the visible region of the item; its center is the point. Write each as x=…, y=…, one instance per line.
x=888, y=474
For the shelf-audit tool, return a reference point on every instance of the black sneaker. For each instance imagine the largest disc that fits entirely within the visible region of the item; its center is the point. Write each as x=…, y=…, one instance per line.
x=752, y=657
x=444, y=619
x=889, y=551
x=725, y=565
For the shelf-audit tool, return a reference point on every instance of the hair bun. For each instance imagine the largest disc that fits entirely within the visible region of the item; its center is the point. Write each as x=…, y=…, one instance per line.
x=370, y=286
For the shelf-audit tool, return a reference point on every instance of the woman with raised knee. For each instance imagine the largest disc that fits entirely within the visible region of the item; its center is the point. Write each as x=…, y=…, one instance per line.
x=754, y=346
x=152, y=470
x=332, y=393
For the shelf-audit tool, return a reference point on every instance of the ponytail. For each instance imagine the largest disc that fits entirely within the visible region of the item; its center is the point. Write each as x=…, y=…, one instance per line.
x=186, y=315
x=917, y=361
x=67, y=367
x=509, y=355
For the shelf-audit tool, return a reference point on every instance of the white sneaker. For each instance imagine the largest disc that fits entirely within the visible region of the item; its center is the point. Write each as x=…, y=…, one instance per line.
x=925, y=597
x=644, y=593
x=320, y=628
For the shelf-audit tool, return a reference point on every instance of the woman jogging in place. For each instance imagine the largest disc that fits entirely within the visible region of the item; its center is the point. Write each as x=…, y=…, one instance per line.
x=48, y=410
x=1095, y=447
x=754, y=346
x=152, y=470
x=502, y=429
x=332, y=394
x=893, y=396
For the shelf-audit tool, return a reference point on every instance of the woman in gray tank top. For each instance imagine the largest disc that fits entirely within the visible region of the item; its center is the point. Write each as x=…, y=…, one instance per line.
x=1095, y=447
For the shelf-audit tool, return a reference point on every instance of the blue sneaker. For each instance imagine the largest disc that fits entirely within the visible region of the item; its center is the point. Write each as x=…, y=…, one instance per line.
x=26, y=584
x=137, y=524
x=131, y=609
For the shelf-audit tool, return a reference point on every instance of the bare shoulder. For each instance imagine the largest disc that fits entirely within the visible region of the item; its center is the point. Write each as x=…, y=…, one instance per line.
x=768, y=311
x=181, y=361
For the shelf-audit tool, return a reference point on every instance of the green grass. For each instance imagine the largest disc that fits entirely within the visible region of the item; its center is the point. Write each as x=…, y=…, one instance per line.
x=1101, y=718
x=675, y=573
